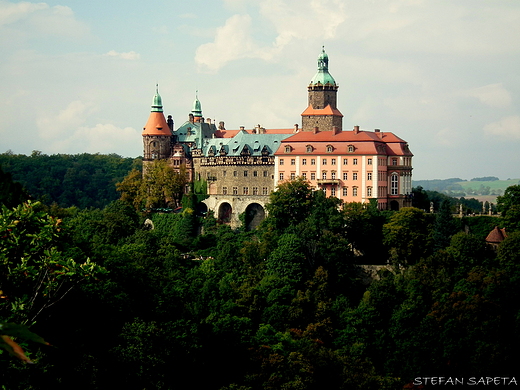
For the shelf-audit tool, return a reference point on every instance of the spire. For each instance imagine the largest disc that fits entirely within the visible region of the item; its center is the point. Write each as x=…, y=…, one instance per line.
x=157, y=101
x=197, y=110
x=323, y=76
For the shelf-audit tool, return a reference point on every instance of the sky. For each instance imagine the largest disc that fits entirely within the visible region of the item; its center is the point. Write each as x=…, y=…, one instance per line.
x=79, y=76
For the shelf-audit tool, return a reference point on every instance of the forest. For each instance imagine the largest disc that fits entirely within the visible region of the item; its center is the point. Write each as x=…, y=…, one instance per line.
x=95, y=298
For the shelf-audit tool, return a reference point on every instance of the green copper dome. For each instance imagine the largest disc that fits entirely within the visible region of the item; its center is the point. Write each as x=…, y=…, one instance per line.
x=323, y=76
x=197, y=110
x=157, y=101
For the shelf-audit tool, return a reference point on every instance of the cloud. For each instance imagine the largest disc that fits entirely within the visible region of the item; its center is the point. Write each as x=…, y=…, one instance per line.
x=101, y=138
x=54, y=126
x=232, y=41
x=507, y=128
x=131, y=55
x=292, y=19
x=493, y=95
x=33, y=19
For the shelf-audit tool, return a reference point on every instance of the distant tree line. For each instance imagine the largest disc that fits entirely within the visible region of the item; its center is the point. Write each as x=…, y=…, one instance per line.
x=81, y=180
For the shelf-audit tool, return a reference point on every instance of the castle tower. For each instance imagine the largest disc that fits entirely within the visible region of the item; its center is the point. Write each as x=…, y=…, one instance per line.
x=157, y=135
x=322, y=111
x=196, y=112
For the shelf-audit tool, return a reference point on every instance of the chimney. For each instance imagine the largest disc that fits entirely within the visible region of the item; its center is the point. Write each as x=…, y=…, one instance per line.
x=191, y=118
x=170, y=122
x=221, y=125
x=335, y=130
x=295, y=127
x=242, y=127
x=356, y=129
x=379, y=134
x=209, y=120
x=316, y=130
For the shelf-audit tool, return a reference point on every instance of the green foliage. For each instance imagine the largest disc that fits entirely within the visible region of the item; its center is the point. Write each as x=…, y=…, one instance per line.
x=11, y=193
x=82, y=180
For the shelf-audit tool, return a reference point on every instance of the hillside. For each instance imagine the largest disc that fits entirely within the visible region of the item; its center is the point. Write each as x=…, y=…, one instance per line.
x=483, y=189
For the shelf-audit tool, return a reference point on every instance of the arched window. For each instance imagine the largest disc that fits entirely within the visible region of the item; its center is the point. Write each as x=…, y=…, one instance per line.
x=309, y=148
x=351, y=148
x=288, y=149
x=330, y=148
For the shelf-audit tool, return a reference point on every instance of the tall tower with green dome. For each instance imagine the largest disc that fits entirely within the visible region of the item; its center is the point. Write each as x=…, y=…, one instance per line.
x=322, y=111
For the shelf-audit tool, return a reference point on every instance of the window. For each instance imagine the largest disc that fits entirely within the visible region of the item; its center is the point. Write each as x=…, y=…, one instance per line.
x=293, y=176
x=333, y=191
x=255, y=173
x=324, y=161
x=369, y=176
x=304, y=161
x=333, y=161
x=333, y=175
x=354, y=161
x=255, y=190
x=369, y=161
x=354, y=176
x=369, y=191
x=345, y=176
x=345, y=161
x=265, y=191
x=266, y=173
x=287, y=149
x=245, y=173
x=235, y=190
x=329, y=148
x=324, y=175
x=224, y=190
x=354, y=191
x=394, y=184
x=224, y=173
x=304, y=175
x=281, y=175
x=313, y=175
x=394, y=161
x=309, y=149
x=293, y=161
x=313, y=161
x=281, y=161
x=235, y=173
x=324, y=189
x=351, y=148
x=245, y=191
x=345, y=191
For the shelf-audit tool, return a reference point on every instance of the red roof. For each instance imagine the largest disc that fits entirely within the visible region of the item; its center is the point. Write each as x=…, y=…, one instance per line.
x=156, y=125
x=321, y=111
x=496, y=236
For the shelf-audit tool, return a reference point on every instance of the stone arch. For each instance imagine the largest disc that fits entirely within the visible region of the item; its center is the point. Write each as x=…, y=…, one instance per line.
x=202, y=208
x=394, y=205
x=255, y=214
x=225, y=212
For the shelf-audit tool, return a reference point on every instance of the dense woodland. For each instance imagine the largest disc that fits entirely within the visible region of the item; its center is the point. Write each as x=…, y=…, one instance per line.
x=194, y=304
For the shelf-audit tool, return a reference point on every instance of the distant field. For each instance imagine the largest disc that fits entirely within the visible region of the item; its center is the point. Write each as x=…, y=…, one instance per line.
x=482, y=190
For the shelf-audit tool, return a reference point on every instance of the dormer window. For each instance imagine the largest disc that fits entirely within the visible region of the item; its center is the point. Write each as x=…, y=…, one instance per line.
x=330, y=148
x=309, y=148
x=351, y=148
x=288, y=149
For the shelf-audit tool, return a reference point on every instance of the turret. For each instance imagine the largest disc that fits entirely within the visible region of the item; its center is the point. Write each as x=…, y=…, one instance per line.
x=157, y=134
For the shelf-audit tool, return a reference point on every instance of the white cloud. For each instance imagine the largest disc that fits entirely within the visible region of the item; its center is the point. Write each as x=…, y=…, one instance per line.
x=55, y=126
x=131, y=55
x=232, y=41
x=493, y=95
x=24, y=20
x=101, y=138
x=506, y=129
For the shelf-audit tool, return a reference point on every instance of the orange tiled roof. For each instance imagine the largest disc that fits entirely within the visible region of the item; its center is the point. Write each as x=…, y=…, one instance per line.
x=156, y=125
x=321, y=111
x=496, y=236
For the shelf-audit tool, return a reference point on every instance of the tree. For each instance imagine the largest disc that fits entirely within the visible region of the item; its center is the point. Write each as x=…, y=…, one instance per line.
x=290, y=204
x=444, y=226
x=408, y=235
x=510, y=198
x=34, y=274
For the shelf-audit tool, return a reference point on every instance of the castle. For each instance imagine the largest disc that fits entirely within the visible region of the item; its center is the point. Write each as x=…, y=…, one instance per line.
x=242, y=167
